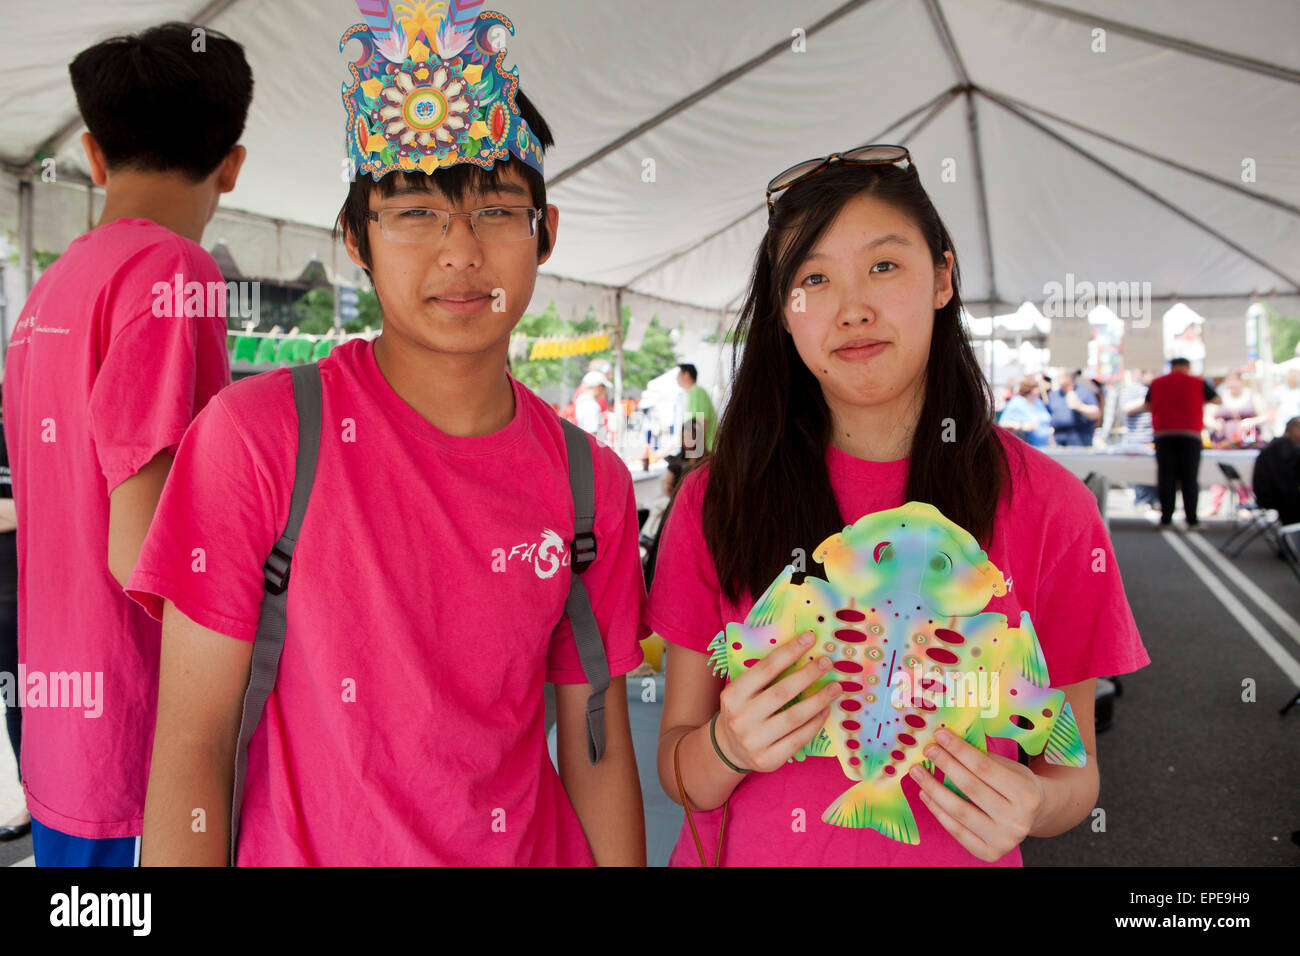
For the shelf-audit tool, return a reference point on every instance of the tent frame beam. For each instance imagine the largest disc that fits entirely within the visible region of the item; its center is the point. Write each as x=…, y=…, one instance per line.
x=934, y=105
x=1147, y=154
x=949, y=43
x=1146, y=191
x=1271, y=70
x=703, y=92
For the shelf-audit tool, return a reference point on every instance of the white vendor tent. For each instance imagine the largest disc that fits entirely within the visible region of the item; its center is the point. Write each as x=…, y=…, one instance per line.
x=1154, y=142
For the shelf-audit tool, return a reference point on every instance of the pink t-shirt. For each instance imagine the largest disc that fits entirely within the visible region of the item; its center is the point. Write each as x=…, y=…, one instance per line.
x=1046, y=548
x=407, y=721
x=100, y=378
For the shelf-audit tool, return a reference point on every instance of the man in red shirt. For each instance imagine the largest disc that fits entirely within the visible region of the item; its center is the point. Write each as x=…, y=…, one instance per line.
x=1177, y=402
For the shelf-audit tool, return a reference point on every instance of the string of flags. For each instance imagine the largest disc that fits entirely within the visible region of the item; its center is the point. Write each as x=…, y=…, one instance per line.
x=555, y=347
x=278, y=345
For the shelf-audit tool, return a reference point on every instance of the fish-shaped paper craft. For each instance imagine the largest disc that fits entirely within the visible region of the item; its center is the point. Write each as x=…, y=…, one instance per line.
x=901, y=617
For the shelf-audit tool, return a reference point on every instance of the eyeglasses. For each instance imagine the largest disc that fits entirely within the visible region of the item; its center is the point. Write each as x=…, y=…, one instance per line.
x=880, y=154
x=490, y=224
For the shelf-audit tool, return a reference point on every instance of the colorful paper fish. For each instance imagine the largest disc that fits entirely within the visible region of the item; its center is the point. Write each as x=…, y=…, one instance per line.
x=901, y=617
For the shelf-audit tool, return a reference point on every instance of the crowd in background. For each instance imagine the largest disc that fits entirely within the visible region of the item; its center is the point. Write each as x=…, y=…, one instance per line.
x=1060, y=407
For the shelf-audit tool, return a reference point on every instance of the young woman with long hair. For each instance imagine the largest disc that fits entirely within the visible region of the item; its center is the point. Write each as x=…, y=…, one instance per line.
x=856, y=391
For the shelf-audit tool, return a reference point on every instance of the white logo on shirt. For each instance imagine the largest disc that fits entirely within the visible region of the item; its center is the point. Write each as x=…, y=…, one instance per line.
x=546, y=557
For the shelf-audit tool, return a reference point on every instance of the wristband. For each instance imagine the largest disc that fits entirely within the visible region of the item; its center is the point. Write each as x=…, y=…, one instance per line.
x=713, y=735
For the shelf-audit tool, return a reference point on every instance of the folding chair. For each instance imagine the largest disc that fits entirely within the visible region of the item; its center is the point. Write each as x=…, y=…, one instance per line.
x=1288, y=536
x=1099, y=485
x=1250, y=519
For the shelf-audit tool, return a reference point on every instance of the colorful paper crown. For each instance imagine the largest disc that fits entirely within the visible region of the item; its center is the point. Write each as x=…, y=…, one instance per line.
x=430, y=89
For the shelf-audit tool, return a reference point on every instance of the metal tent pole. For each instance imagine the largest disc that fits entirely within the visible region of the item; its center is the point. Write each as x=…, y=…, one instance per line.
x=619, y=424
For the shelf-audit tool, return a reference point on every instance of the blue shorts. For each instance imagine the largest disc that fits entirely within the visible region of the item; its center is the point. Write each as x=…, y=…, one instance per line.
x=56, y=848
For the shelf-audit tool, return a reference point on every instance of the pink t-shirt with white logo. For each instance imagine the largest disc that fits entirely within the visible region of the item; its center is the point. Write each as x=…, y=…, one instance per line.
x=1054, y=551
x=407, y=721
x=100, y=377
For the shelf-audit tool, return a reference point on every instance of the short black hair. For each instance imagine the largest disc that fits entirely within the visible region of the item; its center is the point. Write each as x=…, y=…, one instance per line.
x=690, y=370
x=453, y=182
x=1180, y=361
x=156, y=104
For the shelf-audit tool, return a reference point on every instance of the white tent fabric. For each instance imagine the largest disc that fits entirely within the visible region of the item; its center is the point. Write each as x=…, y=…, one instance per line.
x=1155, y=143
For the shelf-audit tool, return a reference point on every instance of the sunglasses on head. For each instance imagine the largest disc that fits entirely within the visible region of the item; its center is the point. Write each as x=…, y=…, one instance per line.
x=878, y=154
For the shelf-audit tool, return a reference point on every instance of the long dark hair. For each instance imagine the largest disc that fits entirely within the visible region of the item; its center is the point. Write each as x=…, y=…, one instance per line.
x=769, y=490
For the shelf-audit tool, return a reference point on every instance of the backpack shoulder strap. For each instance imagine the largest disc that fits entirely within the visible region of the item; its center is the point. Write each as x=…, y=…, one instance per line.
x=586, y=632
x=271, y=622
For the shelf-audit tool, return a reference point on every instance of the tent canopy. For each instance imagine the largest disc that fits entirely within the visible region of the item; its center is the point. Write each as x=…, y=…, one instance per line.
x=1155, y=142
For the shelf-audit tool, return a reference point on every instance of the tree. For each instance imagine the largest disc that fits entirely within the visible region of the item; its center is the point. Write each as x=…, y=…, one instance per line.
x=639, y=366
x=1284, y=332
x=313, y=312
x=368, y=312
x=538, y=374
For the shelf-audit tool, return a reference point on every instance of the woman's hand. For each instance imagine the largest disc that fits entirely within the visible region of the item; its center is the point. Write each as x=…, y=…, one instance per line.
x=750, y=731
x=1005, y=797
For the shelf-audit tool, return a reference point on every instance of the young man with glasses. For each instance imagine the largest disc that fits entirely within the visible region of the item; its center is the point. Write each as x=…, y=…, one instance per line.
x=406, y=724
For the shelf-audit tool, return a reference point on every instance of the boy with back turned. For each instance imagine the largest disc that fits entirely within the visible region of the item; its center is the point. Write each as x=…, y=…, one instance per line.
x=100, y=386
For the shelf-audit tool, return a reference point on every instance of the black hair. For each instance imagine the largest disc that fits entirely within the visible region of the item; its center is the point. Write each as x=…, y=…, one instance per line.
x=769, y=456
x=690, y=370
x=155, y=103
x=1180, y=361
x=453, y=182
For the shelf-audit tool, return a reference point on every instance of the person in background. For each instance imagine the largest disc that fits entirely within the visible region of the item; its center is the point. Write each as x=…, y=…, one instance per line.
x=1238, y=417
x=699, y=407
x=1176, y=401
x=1234, y=423
x=21, y=824
x=1026, y=414
x=1277, y=474
x=1075, y=412
x=653, y=528
x=653, y=646
x=589, y=406
x=95, y=413
x=1137, y=426
x=1286, y=400
x=1098, y=390
x=1001, y=395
